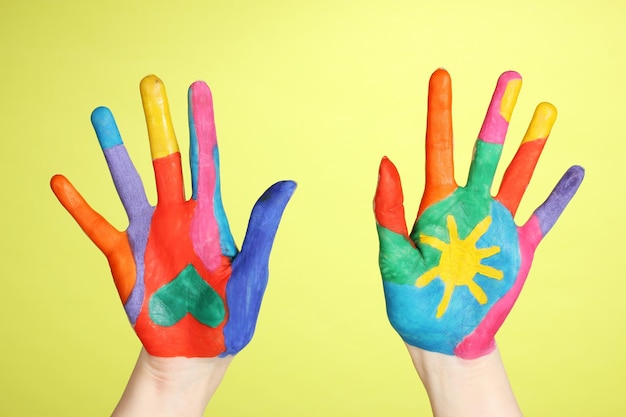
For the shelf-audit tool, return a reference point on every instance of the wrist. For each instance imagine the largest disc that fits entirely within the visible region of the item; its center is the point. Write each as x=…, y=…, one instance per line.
x=465, y=388
x=177, y=386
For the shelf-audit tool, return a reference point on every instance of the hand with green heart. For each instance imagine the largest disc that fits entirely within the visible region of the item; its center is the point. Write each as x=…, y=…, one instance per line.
x=186, y=288
x=451, y=282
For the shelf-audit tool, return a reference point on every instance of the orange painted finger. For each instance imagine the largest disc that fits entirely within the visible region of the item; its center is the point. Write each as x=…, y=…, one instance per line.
x=521, y=168
x=439, y=149
x=163, y=144
x=100, y=231
x=389, y=200
x=113, y=243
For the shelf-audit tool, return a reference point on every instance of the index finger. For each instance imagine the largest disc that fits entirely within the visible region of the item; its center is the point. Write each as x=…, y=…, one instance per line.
x=163, y=144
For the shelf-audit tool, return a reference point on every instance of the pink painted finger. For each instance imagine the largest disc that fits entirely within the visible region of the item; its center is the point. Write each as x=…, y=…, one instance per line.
x=205, y=231
x=500, y=109
x=488, y=147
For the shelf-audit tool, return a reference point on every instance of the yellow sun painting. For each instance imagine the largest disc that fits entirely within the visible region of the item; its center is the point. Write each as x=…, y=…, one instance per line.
x=460, y=262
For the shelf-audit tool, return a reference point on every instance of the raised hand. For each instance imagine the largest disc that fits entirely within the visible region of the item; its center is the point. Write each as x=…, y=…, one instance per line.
x=451, y=282
x=185, y=287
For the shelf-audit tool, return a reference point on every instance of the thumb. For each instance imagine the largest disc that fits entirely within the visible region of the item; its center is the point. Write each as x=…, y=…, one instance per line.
x=388, y=200
x=246, y=286
x=264, y=221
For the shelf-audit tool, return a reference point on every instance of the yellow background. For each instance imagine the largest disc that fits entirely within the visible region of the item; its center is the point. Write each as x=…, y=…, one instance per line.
x=316, y=91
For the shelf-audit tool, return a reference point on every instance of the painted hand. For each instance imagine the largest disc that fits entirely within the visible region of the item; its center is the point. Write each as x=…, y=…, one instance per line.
x=185, y=287
x=451, y=282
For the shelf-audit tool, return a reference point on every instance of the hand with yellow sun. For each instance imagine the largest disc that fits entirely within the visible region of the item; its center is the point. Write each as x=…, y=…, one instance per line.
x=451, y=282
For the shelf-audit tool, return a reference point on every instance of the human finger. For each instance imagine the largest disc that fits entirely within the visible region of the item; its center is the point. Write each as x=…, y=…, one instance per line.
x=488, y=146
x=107, y=238
x=125, y=177
x=439, y=146
x=210, y=228
x=389, y=200
x=521, y=168
x=163, y=144
x=244, y=291
x=546, y=215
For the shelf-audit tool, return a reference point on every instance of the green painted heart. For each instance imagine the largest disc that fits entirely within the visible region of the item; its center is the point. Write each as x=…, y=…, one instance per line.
x=186, y=294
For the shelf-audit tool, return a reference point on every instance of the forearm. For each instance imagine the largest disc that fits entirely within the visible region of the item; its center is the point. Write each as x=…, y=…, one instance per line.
x=171, y=386
x=465, y=388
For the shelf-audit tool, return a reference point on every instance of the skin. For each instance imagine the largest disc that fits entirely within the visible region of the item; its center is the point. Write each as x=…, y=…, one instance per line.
x=185, y=247
x=191, y=295
x=451, y=282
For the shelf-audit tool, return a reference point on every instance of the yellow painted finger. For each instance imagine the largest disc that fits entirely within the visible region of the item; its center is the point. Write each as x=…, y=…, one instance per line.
x=158, y=119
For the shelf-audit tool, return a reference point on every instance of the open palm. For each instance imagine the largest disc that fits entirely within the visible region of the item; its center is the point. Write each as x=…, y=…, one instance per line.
x=186, y=288
x=451, y=282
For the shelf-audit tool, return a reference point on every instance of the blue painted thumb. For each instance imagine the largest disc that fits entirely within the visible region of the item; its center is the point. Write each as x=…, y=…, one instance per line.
x=264, y=221
x=246, y=286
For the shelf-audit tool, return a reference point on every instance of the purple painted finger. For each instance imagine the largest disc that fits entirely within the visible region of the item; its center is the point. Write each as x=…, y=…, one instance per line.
x=547, y=214
x=132, y=194
x=125, y=177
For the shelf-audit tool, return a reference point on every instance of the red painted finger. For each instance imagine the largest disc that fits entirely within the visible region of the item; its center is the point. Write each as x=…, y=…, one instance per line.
x=521, y=168
x=388, y=200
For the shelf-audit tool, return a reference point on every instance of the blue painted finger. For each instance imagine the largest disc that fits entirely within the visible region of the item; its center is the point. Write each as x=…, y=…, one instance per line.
x=246, y=286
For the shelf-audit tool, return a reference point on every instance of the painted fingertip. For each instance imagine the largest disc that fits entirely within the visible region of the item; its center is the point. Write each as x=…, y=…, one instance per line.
x=507, y=76
x=386, y=164
x=571, y=180
x=200, y=87
x=284, y=189
x=549, y=212
x=151, y=85
x=56, y=183
x=201, y=116
x=440, y=77
x=509, y=86
x=106, y=129
x=541, y=123
x=64, y=191
x=158, y=119
x=388, y=177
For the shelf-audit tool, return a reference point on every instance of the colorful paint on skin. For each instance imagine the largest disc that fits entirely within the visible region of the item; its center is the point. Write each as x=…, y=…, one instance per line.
x=133, y=197
x=452, y=281
x=185, y=287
